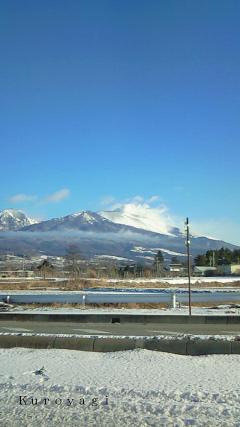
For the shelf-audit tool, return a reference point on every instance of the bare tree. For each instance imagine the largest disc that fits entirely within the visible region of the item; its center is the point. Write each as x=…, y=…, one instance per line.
x=45, y=268
x=72, y=260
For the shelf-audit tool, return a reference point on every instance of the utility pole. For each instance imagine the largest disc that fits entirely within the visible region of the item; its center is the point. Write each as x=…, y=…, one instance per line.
x=213, y=255
x=189, y=266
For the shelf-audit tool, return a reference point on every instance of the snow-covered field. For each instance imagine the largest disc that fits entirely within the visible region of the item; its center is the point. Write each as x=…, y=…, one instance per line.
x=169, y=280
x=144, y=388
x=219, y=310
x=177, y=280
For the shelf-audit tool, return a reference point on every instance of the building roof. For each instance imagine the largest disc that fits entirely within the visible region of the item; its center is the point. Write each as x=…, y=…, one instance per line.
x=204, y=268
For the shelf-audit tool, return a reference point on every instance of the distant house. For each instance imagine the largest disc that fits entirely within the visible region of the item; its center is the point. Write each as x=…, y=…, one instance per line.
x=176, y=268
x=229, y=269
x=200, y=270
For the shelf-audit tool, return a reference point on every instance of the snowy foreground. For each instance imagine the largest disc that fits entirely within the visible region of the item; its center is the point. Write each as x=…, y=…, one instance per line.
x=130, y=388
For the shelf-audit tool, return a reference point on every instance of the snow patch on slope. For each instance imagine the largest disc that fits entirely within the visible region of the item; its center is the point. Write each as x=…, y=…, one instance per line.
x=140, y=249
x=86, y=216
x=118, y=258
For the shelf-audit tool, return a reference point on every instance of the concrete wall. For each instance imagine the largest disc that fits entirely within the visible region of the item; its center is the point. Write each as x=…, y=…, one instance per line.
x=121, y=318
x=184, y=346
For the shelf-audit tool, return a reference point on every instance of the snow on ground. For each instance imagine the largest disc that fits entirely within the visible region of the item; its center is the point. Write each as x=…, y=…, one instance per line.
x=176, y=280
x=220, y=310
x=169, y=280
x=113, y=257
x=144, y=388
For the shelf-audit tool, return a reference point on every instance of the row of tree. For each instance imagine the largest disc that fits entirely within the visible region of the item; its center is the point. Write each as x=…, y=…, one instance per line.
x=75, y=267
x=218, y=257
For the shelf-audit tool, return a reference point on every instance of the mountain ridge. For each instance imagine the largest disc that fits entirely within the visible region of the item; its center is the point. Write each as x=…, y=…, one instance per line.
x=95, y=235
x=14, y=219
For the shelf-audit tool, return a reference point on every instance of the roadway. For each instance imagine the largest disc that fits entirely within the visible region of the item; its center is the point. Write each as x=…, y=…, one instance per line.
x=117, y=329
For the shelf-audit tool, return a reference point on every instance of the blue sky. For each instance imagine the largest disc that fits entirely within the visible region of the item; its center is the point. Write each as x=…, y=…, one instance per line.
x=122, y=98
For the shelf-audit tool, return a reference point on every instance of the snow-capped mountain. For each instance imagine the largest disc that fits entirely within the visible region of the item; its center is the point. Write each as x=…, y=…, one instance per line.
x=81, y=221
x=142, y=216
x=95, y=235
x=13, y=219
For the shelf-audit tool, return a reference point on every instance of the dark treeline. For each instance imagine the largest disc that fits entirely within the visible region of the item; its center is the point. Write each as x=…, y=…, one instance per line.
x=218, y=257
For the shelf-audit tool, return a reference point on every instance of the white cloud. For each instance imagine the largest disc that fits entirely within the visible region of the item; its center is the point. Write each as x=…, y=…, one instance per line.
x=136, y=199
x=141, y=212
x=138, y=212
x=107, y=201
x=153, y=199
x=113, y=203
x=55, y=197
x=58, y=196
x=21, y=198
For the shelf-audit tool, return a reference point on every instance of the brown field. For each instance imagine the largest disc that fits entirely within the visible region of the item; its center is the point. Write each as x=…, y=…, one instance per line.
x=80, y=284
x=29, y=285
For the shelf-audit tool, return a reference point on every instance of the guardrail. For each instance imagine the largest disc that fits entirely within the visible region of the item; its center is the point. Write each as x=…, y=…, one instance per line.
x=101, y=297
